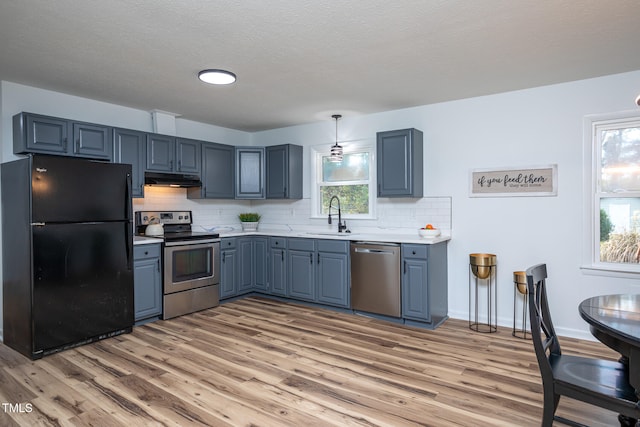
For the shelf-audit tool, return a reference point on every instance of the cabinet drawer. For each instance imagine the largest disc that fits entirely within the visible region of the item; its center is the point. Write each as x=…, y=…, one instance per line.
x=337, y=246
x=278, y=242
x=146, y=251
x=229, y=243
x=301, y=244
x=414, y=251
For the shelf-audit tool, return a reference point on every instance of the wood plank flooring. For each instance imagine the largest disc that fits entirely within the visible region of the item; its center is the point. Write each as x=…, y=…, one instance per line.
x=259, y=362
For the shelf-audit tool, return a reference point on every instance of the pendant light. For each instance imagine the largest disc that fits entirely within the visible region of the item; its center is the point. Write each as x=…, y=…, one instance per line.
x=336, y=150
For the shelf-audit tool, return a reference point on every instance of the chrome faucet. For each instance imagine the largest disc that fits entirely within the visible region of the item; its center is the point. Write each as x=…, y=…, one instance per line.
x=341, y=226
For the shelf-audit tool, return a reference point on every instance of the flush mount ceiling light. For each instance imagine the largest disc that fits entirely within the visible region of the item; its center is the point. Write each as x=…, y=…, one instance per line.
x=217, y=77
x=336, y=150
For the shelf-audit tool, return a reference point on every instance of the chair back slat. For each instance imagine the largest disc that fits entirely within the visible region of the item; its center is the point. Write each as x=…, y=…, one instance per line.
x=541, y=324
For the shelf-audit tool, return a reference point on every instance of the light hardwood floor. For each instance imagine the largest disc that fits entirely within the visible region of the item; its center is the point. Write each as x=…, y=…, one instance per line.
x=261, y=362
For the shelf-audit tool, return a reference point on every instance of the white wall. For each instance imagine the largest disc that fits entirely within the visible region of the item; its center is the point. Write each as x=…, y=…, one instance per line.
x=523, y=128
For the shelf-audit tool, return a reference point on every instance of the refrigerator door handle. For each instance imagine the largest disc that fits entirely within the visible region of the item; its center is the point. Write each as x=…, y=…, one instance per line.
x=128, y=224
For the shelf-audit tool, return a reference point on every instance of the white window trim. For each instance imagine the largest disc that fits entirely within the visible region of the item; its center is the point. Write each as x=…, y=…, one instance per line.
x=348, y=147
x=591, y=201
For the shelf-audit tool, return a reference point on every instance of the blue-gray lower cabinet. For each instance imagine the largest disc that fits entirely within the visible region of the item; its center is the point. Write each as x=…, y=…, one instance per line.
x=333, y=272
x=301, y=269
x=277, y=266
x=424, y=282
x=259, y=263
x=147, y=281
x=245, y=271
x=243, y=262
x=228, y=267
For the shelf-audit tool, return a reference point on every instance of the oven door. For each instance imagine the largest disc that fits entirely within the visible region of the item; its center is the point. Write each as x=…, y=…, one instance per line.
x=190, y=264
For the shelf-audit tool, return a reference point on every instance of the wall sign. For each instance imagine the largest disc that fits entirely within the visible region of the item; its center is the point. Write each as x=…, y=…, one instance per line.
x=532, y=181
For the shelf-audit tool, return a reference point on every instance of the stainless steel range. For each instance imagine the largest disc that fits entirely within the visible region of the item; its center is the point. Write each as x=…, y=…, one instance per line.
x=190, y=259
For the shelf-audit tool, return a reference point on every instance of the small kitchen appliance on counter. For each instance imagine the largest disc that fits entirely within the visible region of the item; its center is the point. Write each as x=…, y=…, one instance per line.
x=191, y=272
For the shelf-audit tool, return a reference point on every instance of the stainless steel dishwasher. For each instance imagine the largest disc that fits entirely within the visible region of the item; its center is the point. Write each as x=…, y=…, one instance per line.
x=375, y=278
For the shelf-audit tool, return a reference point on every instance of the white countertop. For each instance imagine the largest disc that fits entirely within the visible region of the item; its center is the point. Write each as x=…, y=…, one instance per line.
x=354, y=236
x=144, y=240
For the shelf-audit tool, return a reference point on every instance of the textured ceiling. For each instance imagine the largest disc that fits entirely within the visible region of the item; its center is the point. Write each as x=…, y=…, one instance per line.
x=299, y=61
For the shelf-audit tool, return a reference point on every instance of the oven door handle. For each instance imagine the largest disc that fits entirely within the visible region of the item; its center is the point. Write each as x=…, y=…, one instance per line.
x=191, y=242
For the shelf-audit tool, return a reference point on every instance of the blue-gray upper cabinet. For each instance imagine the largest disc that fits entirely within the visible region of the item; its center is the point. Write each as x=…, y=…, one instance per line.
x=170, y=154
x=400, y=163
x=129, y=148
x=161, y=152
x=284, y=171
x=424, y=283
x=250, y=173
x=34, y=133
x=301, y=269
x=188, y=156
x=277, y=267
x=333, y=272
x=218, y=168
x=147, y=279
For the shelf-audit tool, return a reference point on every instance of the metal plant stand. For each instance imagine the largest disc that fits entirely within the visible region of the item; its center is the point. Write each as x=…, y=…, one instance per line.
x=520, y=288
x=482, y=271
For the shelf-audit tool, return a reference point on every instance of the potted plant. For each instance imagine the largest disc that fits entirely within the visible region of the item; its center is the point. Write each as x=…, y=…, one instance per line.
x=249, y=221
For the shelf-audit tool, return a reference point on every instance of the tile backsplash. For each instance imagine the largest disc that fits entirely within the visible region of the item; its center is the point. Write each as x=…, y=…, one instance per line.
x=401, y=215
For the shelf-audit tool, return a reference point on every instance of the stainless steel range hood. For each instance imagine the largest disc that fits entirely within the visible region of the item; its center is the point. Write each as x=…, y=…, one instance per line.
x=177, y=180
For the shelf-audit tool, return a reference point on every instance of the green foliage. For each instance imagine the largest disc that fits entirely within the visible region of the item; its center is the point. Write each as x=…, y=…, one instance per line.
x=605, y=226
x=249, y=217
x=354, y=199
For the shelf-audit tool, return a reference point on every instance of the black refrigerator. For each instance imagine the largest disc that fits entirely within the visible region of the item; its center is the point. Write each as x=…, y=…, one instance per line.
x=67, y=243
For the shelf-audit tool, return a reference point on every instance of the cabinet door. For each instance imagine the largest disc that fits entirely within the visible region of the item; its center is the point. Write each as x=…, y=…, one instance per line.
x=278, y=271
x=245, y=272
x=147, y=281
x=300, y=275
x=260, y=277
x=128, y=147
x=400, y=163
x=40, y=134
x=250, y=173
x=92, y=141
x=415, y=304
x=228, y=273
x=284, y=171
x=218, y=168
x=147, y=295
x=188, y=153
x=160, y=153
x=277, y=171
x=333, y=279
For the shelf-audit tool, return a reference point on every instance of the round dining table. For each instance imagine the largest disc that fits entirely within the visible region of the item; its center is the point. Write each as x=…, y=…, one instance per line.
x=615, y=321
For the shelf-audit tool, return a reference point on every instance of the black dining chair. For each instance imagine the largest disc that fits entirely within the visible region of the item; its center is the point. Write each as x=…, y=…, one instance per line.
x=599, y=382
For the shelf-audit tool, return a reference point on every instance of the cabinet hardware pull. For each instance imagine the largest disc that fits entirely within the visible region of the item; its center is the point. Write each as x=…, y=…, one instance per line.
x=405, y=267
x=158, y=265
x=224, y=256
x=179, y=165
x=311, y=258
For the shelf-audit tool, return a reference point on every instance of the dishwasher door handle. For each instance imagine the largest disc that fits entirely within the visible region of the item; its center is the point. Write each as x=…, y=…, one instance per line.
x=373, y=251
